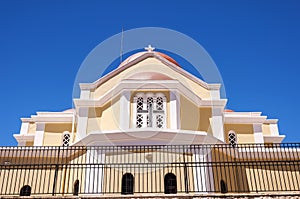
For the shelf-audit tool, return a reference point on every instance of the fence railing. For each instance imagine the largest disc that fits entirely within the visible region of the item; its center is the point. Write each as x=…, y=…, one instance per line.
x=166, y=169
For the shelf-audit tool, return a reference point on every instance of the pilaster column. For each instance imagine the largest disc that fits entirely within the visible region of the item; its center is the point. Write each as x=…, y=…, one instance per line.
x=125, y=110
x=95, y=160
x=39, y=134
x=85, y=94
x=23, y=131
x=82, y=122
x=216, y=123
x=258, y=135
x=274, y=129
x=203, y=174
x=174, y=110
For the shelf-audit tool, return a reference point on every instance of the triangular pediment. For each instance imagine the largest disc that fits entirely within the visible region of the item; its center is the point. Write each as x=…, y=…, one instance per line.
x=149, y=64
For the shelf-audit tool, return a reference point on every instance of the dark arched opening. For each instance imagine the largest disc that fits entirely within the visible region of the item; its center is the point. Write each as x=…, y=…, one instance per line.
x=170, y=183
x=127, y=183
x=223, y=186
x=25, y=190
x=76, y=188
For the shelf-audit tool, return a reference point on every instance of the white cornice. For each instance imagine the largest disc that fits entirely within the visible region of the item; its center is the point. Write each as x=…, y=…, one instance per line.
x=244, y=119
x=26, y=120
x=273, y=139
x=241, y=114
x=271, y=121
x=247, y=118
x=24, y=137
x=97, y=83
x=50, y=117
x=172, y=85
x=146, y=137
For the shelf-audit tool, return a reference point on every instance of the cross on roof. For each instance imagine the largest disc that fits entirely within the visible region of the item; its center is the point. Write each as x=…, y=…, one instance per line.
x=149, y=48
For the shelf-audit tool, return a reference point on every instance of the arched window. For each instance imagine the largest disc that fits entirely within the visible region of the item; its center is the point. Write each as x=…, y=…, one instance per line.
x=232, y=138
x=76, y=188
x=223, y=186
x=127, y=183
x=25, y=190
x=139, y=104
x=170, y=183
x=66, y=137
x=149, y=110
x=149, y=103
x=159, y=104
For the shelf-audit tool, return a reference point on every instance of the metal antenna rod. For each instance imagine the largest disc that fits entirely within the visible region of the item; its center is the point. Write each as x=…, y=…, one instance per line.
x=121, y=50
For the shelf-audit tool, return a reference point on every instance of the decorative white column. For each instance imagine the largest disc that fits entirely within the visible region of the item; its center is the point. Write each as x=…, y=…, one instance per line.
x=216, y=123
x=258, y=135
x=94, y=173
x=39, y=134
x=24, y=128
x=125, y=110
x=85, y=94
x=82, y=122
x=274, y=129
x=23, y=131
x=203, y=175
x=174, y=110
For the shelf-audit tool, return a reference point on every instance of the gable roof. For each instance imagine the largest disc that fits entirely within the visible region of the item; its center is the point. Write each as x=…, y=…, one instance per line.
x=139, y=57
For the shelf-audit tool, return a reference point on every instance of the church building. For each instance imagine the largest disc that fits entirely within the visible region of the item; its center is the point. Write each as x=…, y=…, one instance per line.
x=149, y=127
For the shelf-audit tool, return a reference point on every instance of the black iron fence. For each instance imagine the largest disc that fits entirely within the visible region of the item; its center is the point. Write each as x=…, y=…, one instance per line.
x=167, y=169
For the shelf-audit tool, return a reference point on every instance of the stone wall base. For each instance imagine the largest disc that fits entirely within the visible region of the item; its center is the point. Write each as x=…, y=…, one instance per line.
x=281, y=195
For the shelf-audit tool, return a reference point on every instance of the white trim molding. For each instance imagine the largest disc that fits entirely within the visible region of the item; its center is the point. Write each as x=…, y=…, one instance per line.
x=23, y=138
x=157, y=85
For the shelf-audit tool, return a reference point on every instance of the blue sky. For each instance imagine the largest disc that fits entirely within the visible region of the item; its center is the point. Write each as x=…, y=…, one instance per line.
x=254, y=43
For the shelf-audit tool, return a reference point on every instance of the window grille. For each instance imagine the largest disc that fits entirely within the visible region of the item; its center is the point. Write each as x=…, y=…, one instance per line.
x=150, y=110
x=66, y=139
x=232, y=138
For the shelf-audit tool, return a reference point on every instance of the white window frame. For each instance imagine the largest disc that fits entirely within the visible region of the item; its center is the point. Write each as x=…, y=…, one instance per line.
x=155, y=113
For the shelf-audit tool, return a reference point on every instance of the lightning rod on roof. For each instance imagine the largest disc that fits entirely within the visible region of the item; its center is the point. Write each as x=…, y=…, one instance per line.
x=121, y=50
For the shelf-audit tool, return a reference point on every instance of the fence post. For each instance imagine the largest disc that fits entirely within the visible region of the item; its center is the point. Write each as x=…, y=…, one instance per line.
x=56, y=173
x=186, y=180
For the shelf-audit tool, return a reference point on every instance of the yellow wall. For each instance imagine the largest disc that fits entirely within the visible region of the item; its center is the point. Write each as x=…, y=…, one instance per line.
x=244, y=132
x=193, y=117
x=150, y=65
x=39, y=175
x=104, y=118
x=32, y=128
x=53, y=133
x=29, y=143
x=147, y=178
x=205, y=114
x=266, y=129
x=221, y=172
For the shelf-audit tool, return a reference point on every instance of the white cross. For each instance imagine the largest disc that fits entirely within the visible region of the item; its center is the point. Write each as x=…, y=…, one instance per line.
x=149, y=48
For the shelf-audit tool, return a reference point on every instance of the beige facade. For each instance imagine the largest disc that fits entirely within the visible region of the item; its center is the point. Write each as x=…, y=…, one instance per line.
x=150, y=100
